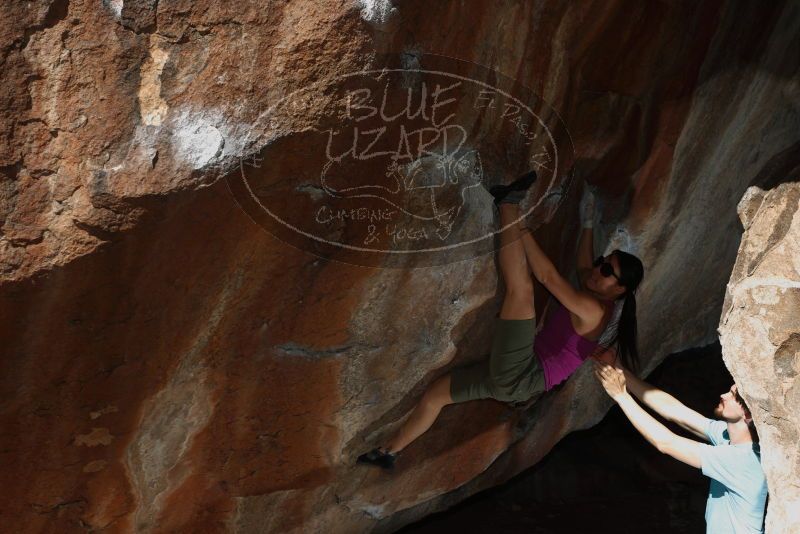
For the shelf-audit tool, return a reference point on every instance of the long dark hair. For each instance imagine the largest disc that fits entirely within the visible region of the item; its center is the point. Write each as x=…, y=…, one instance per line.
x=631, y=274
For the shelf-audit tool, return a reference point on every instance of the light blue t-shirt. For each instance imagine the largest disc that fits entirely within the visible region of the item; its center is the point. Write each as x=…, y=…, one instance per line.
x=738, y=488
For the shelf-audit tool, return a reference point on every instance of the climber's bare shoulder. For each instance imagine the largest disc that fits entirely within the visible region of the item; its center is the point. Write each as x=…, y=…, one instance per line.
x=586, y=310
x=592, y=318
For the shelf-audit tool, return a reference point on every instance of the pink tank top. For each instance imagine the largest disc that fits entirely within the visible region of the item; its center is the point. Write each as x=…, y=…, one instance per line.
x=559, y=348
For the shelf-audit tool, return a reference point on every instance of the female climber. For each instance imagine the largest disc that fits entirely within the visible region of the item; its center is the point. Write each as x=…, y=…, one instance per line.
x=523, y=363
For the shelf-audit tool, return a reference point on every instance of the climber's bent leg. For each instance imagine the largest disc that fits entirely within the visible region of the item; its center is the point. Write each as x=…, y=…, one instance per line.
x=471, y=382
x=425, y=413
x=518, y=301
x=515, y=373
x=511, y=374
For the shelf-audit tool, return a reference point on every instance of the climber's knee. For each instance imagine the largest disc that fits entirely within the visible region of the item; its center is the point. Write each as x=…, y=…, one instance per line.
x=503, y=393
x=438, y=394
x=518, y=304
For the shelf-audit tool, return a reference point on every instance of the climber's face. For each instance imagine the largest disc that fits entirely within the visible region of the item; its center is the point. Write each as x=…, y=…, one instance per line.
x=605, y=275
x=730, y=408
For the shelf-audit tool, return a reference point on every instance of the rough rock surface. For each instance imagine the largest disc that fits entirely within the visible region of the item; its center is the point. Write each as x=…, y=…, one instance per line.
x=169, y=366
x=760, y=334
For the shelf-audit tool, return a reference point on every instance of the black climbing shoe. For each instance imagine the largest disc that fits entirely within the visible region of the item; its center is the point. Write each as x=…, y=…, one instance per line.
x=379, y=458
x=514, y=192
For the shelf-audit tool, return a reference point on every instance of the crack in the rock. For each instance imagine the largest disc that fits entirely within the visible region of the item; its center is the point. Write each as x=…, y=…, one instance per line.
x=293, y=349
x=58, y=506
x=95, y=231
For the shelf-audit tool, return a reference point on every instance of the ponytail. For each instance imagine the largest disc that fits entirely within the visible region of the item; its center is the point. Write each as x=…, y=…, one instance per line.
x=626, y=338
x=623, y=331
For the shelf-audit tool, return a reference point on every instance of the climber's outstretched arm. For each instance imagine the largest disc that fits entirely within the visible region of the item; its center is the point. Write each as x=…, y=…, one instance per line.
x=579, y=303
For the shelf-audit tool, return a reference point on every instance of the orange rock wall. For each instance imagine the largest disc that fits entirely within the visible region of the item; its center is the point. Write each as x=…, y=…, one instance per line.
x=168, y=366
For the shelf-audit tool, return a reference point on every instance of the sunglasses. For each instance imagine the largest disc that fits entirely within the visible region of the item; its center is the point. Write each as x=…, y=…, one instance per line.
x=606, y=269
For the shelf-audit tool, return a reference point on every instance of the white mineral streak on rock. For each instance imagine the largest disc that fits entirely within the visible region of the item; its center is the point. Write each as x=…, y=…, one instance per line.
x=115, y=6
x=172, y=418
x=623, y=240
x=197, y=140
x=376, y=11
x=375, y=512
x=760, y=334
x=152, y=107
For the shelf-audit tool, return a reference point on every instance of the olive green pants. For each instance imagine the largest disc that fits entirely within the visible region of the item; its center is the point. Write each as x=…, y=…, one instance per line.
x=511, y=374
